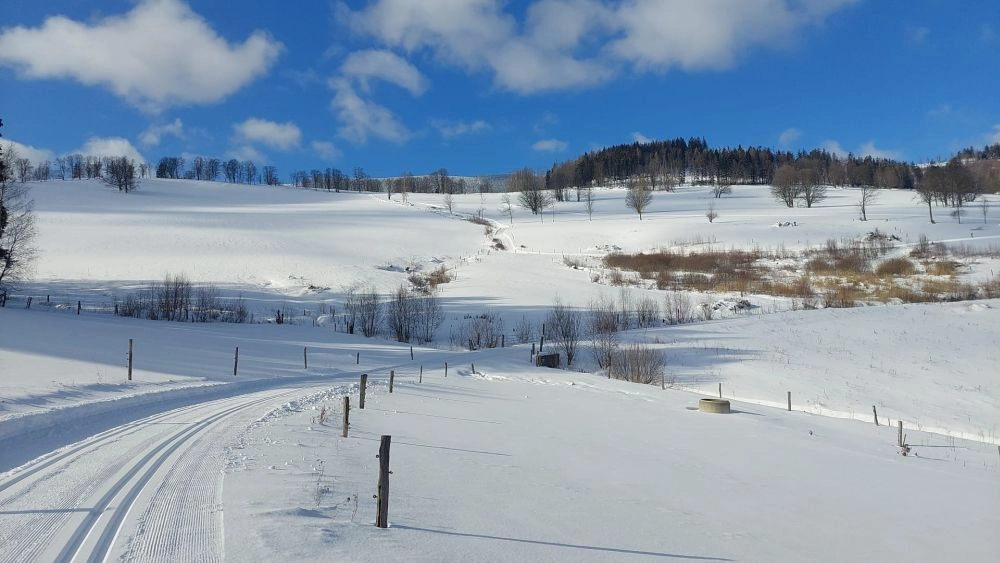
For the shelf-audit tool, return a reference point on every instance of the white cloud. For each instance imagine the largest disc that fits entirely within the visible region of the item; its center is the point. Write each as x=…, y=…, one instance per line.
x=111, y=147
x=577, y=43
x=834, y=148
x=640, y=138
x=869, y=149
x=788, y=136
x=993, y=137
x=550, y=145
x=152, y=135
x=247, y=152
x=159, y=54
x=34, y=154
x=384, y=65
x=281, y=136
x=452, y=129
x=361, y=119
x=326, y=150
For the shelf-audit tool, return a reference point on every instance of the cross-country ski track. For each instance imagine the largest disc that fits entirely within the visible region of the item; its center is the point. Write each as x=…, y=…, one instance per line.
x=148, y=490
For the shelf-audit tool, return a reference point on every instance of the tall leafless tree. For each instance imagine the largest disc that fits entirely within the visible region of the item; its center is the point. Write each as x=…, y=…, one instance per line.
x=120, y=172
x=785, y=185
x=17, y=224
x=566, y=328
x=867, y=196
x=639, y=196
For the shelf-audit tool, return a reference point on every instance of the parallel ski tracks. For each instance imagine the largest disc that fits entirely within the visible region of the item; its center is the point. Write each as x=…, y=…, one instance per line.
x=122, y=481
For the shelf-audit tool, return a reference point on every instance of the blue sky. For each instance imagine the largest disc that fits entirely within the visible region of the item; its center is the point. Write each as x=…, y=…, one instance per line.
x=483, y=87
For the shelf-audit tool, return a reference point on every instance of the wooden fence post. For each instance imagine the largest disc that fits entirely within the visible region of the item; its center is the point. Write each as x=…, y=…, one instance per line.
x=358, y=360
x=720, y=390
x=532, y=352
x=130, y=359
x=347, y=415
x=875, y=412
x=77, y=307
x=28, y=306
x=305, y=357
x=382, y=516
x=899, y=434
x=446, y=369
x=789, y=401
x=236, y=361
x=503, y=340
x=421, y=374
x=392, y=377
x=411, y=353
x=473, y=368
x=364, y=387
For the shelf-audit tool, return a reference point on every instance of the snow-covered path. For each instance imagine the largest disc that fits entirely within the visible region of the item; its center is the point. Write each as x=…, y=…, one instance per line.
x=147, y=490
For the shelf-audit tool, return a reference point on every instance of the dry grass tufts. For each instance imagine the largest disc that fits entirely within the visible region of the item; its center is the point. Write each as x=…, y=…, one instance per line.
x=896, y=267
x=942, y=268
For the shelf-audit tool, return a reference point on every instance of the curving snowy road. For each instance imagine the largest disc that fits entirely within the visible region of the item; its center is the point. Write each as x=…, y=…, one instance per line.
x=149, y=490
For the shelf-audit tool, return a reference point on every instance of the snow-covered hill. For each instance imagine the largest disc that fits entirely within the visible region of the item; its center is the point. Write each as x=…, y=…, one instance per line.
x=509, y=462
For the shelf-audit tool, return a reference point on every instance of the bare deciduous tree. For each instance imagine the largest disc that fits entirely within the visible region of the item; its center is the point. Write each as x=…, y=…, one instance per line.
x=984, y=206
x=647, y=311
x=711, y=214
x=566, y=328
x=401, y=314
x=811, y=189
x=271, y=176
x=449, y=201
x=639, y=196
x=23, y=168
x=638, y=363
x=120, y=172
x=429, y=316
x=785, y=185
x=867, y=196
x=588, y=202
x=506, y=207
x=533, y=196
x=720, y=189
x=603, y=327
x=17, y=224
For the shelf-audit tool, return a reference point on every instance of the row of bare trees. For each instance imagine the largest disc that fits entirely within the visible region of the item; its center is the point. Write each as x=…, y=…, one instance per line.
x=406, y=314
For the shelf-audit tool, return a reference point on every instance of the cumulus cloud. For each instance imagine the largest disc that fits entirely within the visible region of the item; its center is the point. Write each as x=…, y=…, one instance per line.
x=361, y=119
x=326, y=150
x=34, y=154
x=281, y=136
x=384, y=65
x=834, y=148
x=563, y=44
x=110, y=147
x=550, y=145
x=246, y=152
x=452, y=129
x=866, y=149
x=788, y=136
x=159, y=54
x=869, y=149
x=152, y=135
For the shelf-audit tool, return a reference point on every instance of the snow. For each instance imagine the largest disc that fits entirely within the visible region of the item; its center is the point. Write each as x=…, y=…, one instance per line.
x=509, y=462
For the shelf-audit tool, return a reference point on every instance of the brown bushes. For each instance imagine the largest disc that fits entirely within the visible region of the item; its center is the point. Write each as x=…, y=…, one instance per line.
x=896, y=267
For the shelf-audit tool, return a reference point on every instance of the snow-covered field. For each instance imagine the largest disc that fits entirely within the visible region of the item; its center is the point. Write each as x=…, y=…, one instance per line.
x=511, y=462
